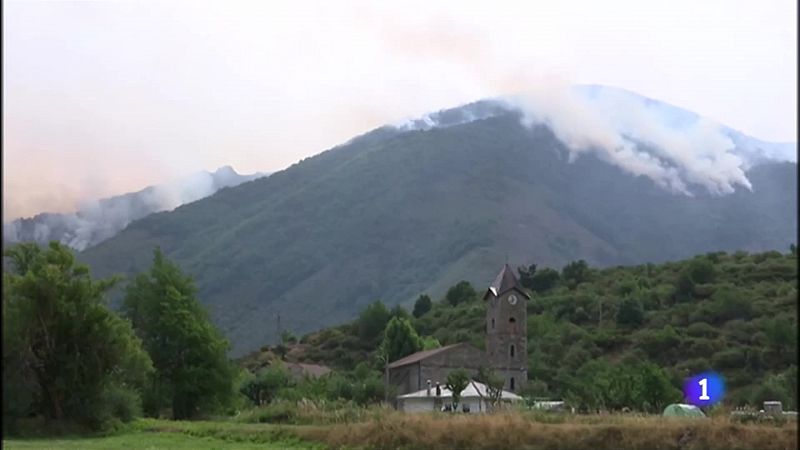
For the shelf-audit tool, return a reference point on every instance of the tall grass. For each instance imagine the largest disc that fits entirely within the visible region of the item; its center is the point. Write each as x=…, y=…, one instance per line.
x=306, y=412
x=528, y=432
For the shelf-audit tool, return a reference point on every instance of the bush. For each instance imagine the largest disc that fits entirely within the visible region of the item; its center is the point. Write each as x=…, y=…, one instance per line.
x=730, y=304
x=730, y=359
x=702, y=329
x=658, y=343
x=575, y=273
x=115, y=405
x=701, y=270
x=630, y=313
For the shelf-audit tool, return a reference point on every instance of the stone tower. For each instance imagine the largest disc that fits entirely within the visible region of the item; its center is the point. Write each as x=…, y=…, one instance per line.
x=507, y=329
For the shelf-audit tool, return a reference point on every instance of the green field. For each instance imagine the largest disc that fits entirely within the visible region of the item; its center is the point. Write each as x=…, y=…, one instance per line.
x=150, y=434
x=148, y=441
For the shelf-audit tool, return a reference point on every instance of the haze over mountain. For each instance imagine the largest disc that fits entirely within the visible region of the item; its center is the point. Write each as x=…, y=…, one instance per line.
x=549, y=177
x=101, y=219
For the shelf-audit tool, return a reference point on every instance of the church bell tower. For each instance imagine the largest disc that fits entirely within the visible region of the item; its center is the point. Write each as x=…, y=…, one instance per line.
x=507, y=329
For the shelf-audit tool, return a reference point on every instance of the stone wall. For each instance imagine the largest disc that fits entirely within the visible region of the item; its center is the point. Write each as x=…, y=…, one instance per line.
x=413, y=377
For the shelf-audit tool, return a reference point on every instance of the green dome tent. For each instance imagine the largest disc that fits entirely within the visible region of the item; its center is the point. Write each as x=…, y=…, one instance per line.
x=682, y=410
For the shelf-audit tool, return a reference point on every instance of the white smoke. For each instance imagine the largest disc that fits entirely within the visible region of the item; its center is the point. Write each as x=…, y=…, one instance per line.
x=675, y=148
x=635, y=135
x=98, y=220
x=451, y=117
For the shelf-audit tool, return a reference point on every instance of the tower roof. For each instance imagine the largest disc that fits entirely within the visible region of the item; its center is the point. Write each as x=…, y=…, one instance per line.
x=504, y=282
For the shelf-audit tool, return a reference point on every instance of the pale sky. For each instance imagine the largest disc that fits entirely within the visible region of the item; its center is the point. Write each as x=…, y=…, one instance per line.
x=106, y=97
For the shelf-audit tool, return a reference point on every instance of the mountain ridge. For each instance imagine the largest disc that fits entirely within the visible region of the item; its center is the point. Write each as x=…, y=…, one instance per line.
x=392, y=214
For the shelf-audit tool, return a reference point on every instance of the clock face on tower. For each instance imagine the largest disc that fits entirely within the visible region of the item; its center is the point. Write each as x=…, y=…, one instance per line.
x=512, y=299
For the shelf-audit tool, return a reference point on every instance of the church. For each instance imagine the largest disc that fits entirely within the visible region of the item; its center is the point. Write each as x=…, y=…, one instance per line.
x=506, y=344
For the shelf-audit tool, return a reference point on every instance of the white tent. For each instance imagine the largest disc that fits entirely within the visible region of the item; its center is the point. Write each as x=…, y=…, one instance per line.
x=474, y=397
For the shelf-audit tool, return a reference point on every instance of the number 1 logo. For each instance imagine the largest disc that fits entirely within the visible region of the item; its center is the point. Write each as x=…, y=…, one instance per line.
x=704, y=392
x=704, y=389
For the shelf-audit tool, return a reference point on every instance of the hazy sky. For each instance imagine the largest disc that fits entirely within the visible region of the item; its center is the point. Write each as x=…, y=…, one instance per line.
x=106, y=97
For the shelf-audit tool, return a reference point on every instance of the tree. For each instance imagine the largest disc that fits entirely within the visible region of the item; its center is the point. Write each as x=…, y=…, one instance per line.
x=655, y=389
x=422, y=306
x=730, y=303
x=494, y=385
x=544, y=280
x=193, y=375
x=263, y=387
x=373, y=320
x=781, y=336
x=659, y=343
x=701, y=270
x=526, y=275
x=630, y=313
x=64, y=350
x=457, y=381
x=461, y=293
x=287, y=337
x=399, y=312
x=684, y=286
x=430, y=343
x=400, y=339
x=575, y=273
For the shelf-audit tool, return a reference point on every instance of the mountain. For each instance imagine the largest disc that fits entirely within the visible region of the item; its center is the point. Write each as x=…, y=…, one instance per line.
x=416, y=207
x=102, y=219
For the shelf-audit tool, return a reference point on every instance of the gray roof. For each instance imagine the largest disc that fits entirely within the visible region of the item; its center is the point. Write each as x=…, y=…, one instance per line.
x=313, y=370
x=504, y=282
x=424, y=354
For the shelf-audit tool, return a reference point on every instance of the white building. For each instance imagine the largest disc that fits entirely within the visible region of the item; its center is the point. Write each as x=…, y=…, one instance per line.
x=474, y=398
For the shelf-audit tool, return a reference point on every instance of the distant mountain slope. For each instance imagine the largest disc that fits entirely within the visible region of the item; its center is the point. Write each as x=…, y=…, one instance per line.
x=104, y=218
x=402, y=211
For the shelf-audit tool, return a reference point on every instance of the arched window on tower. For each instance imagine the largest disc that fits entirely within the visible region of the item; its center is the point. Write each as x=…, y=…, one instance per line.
x=511, y=383
x=512, y=350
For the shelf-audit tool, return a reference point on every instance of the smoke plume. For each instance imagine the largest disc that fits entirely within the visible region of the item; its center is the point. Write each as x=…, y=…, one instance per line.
x=99, y=220
x=675, y=148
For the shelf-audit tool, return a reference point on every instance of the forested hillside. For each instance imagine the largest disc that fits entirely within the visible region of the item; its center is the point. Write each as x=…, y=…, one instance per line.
x=732, y=313
x=393, y=214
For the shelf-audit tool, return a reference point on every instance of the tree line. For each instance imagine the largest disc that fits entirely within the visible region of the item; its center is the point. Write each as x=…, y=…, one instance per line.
x=591, y=330
x=67, y=356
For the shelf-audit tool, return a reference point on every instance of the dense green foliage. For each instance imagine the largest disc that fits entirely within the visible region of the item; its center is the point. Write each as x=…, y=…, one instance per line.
x=66, y=355
x=457, y=381
x=373, y=320
x=393, y=215
x=193, y=375
x=494, y=384
x=400, y=339
x=641, y=386
x=627, y=336
x=273, y=384
x=422, y=305
x=461, y=293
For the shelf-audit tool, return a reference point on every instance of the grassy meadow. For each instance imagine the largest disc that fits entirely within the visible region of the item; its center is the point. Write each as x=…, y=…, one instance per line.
x=393, y=430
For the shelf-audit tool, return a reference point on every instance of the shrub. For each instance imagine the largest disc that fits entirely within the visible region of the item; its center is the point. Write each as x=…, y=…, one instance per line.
x=729, y=359
x=702, y=329
x=115, y=405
